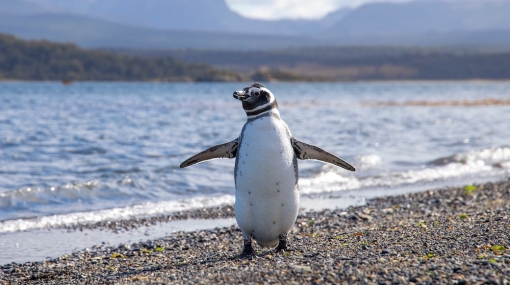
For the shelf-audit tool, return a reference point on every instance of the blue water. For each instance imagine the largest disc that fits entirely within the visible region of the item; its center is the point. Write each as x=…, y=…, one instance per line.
x=95, y=151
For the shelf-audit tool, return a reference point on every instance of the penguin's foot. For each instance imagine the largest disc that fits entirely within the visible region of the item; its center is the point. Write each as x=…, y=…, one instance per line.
x=282, y=243
x=248, y=248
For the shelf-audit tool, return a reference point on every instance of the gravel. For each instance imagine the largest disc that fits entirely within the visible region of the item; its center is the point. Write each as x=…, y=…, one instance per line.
x=455, y=236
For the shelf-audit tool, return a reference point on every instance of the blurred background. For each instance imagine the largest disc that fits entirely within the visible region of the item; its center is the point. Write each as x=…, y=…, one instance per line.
x=243, y=40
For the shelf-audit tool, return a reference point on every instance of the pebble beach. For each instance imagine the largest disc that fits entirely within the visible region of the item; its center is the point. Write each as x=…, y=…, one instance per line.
x=448, y=236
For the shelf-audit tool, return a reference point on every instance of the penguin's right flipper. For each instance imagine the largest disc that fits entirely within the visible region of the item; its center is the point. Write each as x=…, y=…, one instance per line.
x=308, y=151
x=226, y=150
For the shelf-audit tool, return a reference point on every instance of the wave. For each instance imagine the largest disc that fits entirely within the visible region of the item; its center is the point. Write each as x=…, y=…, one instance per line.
x=491, y=162
x=449, y=103
x=140, y=210
x=487, y=156
x=27, y=197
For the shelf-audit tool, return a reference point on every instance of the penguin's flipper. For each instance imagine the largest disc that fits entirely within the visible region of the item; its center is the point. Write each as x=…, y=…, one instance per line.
x=226, y=150
x=307, y=151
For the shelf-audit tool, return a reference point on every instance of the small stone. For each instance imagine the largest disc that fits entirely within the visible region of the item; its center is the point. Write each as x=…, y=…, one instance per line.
x=301, y=268
x=353, y=217
x=365, y=217
x=387, y=211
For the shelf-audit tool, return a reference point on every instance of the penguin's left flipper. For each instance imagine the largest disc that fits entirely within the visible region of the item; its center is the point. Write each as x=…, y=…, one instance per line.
x=226, y=150
x=307, y=151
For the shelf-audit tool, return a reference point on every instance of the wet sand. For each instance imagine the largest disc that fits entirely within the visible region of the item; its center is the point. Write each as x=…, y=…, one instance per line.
x=456, y=236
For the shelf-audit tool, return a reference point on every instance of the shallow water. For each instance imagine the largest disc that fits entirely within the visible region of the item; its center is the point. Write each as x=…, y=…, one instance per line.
x=40, y=245
x=95, y=151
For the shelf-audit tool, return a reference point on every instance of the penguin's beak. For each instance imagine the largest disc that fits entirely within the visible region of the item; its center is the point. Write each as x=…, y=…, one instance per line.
x=241, y=95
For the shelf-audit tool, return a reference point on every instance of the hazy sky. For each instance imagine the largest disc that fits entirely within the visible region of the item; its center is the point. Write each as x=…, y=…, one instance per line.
x=292, y=9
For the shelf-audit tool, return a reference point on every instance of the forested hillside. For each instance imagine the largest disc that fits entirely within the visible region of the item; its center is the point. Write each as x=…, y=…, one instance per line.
x=358, y=63
x=43, y=60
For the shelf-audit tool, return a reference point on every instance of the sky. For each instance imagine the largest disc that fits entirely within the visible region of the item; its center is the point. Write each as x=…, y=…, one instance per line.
x=293, y=9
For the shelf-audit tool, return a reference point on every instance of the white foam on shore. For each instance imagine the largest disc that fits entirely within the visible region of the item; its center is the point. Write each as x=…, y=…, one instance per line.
x=483, y=163
x=140, y=210
x=487, y=156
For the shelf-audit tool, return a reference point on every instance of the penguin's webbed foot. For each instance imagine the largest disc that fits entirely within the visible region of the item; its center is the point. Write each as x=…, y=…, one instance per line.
x=282, y=243
x=248, y=248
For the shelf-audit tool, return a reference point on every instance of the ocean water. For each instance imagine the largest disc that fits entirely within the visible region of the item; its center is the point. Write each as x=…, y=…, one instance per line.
x=98, y=151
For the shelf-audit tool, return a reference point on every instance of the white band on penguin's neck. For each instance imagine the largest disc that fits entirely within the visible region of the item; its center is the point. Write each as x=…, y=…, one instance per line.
x=273, y=110
x=271, y=100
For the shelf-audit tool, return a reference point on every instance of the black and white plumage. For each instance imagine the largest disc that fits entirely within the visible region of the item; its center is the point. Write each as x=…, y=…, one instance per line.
x=266, y=170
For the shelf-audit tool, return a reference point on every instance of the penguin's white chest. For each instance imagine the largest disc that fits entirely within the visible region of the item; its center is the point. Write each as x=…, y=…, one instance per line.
x=267, y=193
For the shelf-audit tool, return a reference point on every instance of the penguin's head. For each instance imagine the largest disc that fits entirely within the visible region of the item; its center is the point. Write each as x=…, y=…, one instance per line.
x=256, y=99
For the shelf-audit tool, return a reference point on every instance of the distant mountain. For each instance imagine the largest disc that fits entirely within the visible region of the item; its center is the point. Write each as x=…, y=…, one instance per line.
x=210, y=24
x=95, y=33
x=186, y=15
x=21, y=7
x=183, y=15
x=422, y=17
x=419, y=16
x=333, y=18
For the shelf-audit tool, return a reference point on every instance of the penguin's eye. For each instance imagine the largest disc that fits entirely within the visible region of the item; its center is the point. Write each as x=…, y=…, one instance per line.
x=256, y=93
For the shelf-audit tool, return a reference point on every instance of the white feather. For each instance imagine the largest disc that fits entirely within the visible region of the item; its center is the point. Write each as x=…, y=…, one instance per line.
x=267, y=194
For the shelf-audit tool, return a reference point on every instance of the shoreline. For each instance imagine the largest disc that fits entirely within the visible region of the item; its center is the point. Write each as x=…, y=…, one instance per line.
x=456, y=235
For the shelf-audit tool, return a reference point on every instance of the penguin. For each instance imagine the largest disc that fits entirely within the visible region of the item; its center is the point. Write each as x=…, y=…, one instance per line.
x=266, y=170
